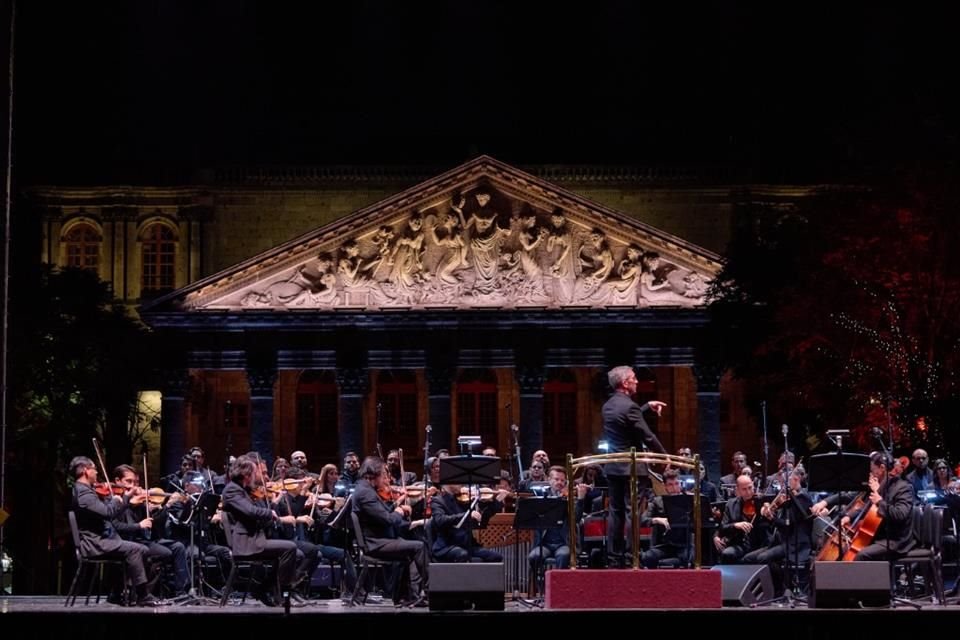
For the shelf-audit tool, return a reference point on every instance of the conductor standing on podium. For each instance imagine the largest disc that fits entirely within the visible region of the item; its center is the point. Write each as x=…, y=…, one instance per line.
x=623, y=426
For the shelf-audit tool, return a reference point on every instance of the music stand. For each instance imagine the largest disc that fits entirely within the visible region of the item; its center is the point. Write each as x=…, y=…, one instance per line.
x=679, y=512
x=469, y=470
x=202, y=506
x=540, y=514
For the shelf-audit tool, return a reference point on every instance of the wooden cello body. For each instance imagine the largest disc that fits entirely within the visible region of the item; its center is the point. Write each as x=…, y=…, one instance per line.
x=855, y=537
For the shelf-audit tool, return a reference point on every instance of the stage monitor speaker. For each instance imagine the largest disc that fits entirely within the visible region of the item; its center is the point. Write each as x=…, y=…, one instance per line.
x=850, y=585
x=745, y=584
x=466, y=585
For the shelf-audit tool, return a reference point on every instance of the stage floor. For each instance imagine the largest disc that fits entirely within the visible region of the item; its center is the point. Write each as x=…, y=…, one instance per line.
x=42, y=617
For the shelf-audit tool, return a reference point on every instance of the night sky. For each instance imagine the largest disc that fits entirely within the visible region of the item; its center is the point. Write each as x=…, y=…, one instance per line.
x=148, y=91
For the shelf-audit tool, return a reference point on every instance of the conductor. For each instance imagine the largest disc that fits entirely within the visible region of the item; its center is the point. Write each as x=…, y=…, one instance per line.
x=623, y=426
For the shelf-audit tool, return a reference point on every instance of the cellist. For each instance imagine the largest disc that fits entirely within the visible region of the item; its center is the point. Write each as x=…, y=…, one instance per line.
x=891, y=499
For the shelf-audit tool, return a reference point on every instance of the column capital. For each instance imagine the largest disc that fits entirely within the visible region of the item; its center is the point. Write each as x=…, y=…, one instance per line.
x=439, y=378
x=708, y=377
x=353, y=381
x=174, y=382
x=261, y=380
x=530, y=378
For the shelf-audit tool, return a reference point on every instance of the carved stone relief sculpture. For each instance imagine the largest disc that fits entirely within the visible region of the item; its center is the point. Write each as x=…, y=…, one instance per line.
x=465, y=252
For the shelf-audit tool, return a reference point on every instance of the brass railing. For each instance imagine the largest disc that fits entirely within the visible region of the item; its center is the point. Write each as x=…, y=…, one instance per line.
x=632, y=458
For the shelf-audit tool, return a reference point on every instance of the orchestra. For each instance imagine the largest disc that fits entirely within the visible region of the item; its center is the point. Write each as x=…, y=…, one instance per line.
x=303, y=520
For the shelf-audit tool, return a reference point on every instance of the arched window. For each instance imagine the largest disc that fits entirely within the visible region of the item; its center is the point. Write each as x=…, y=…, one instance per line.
x=317, y=418
x=82, y=246
x=397, y=408
x=477, y=405
x=158, y=253
x=560, y=414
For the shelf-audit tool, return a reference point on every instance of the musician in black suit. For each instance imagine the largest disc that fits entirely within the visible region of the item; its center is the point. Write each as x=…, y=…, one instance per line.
x=893, y=496
x=741, y=530
x=252, y=520
x=383, y=524
x=97, y=535
x=623, y=426
x=453, y=539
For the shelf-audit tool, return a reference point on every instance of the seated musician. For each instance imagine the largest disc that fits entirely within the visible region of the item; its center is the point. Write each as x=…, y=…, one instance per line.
x=97, y=536
x=893, y=498
x=789, y=512
x=251, y=519
x=136, y=525
x=739, y=531
x=382, y=526
x=453, y=539
x=674, y=543
x=555, y=543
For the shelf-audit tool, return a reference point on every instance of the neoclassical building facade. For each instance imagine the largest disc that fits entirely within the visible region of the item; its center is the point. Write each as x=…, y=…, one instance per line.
x=334, y=310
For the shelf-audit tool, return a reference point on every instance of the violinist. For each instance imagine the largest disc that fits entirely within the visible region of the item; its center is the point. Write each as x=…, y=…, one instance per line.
x=250, y=521
x=382, y=527
x=893, y=498
x=393, y=467
x=789, y=511
x=149, y=529
x=298, y=459
x=775, y=482
x=298, y=501
x=97, y=536
x=453, y=539
x=739, y=531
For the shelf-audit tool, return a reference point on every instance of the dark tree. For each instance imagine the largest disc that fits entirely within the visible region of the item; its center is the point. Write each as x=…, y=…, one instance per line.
x=77, y=363
x=843, y=311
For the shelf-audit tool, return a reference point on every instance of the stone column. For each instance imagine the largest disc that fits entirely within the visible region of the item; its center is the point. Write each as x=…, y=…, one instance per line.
x=439, y=387
x=530, y=379
x=708, y=414
x=173, y=419
x=354, y=382
x=261, y=380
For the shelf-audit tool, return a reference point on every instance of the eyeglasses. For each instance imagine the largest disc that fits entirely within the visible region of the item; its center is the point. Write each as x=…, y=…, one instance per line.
x=536, y=466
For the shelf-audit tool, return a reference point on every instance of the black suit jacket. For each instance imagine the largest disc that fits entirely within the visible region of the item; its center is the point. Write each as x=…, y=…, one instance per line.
x=378, y=522
x=94, y=514
x=624, y=427
x=447, y=512
x=250, y=520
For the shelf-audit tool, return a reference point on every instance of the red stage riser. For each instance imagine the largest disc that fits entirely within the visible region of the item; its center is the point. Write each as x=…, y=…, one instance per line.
x=629, y=589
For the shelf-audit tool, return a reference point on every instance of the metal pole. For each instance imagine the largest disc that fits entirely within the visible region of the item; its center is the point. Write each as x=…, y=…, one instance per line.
x=6, y=286
x=571, y=512
x=634, y=516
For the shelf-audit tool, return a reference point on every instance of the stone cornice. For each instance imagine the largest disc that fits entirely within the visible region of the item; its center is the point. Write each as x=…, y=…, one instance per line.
x=431, y=320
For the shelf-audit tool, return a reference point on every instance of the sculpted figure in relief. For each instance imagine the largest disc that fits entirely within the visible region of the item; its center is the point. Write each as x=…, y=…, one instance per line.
x=406, y=262
x=665, y=291
x=446, y=233
x=559, y=241
x=624, y=288
x=485, y=242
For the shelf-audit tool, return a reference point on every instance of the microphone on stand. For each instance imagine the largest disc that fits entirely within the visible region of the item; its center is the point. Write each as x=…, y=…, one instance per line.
x=785, y=429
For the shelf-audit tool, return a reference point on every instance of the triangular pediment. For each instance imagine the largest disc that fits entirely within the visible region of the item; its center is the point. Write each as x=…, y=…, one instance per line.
x=483, y=235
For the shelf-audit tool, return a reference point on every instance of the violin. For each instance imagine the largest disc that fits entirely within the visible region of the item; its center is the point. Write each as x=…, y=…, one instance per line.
x=104, y=489
x=750, y=509
x=157, y=496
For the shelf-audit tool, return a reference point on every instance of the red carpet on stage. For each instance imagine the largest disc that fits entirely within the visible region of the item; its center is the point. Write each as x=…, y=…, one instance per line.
x=629, y=589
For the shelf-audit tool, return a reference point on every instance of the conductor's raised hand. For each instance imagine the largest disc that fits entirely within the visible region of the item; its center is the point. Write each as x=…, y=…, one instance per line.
x=657, y=406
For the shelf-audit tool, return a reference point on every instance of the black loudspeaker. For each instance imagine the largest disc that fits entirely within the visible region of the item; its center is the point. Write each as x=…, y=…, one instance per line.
x=745, y=584
x=850, y=585
x=467, y=585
